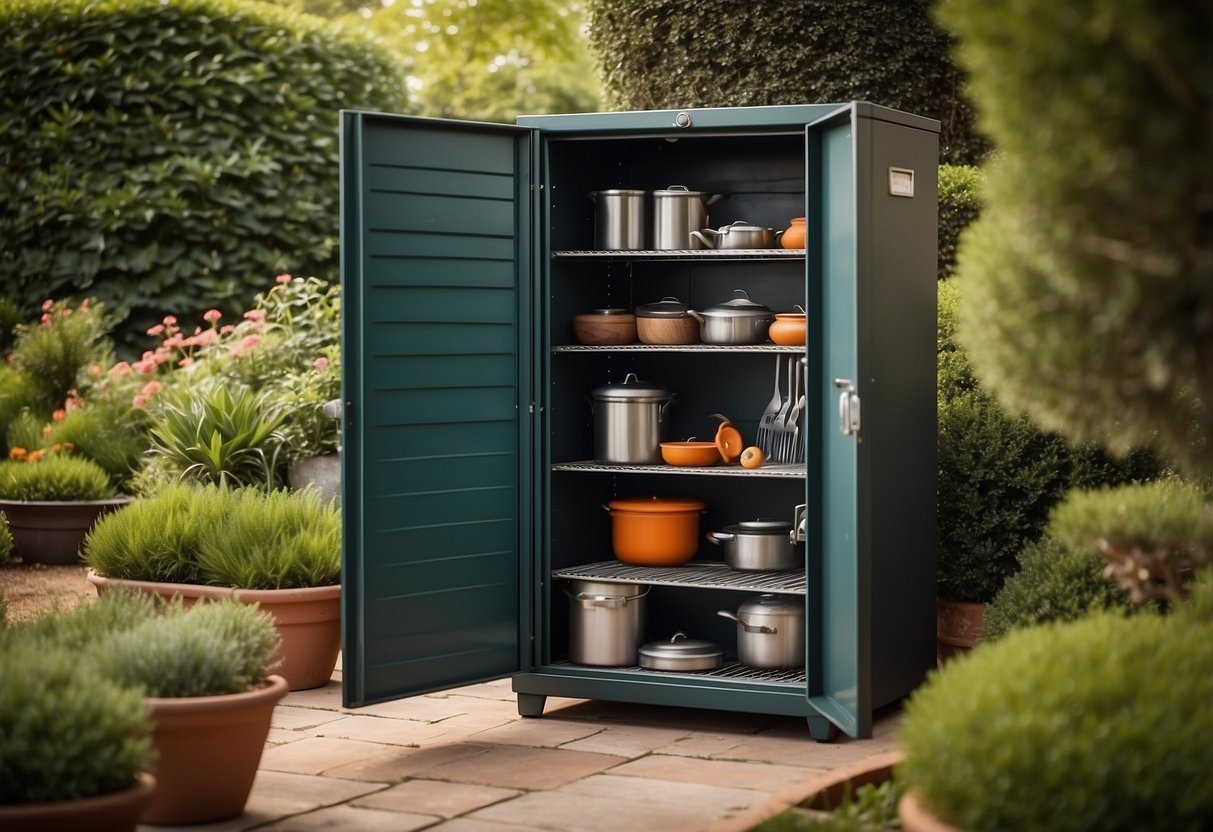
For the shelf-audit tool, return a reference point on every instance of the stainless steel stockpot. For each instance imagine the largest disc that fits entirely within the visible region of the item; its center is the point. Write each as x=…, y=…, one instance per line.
x=770, y=631
x=605, y=622
x=758, y=545
x=630, y=421
x=618, y=219
x=677, y=211
x=736, y=321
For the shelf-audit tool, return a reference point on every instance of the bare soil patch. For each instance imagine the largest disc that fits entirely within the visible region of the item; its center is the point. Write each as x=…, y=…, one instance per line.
x=32, y=589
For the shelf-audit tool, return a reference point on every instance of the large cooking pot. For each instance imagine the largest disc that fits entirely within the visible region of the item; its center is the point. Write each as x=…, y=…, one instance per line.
x=736, y=235
x=605, y=622
x=655, y=531
x=618, y=219
x=677, y=211
x=770, y=631
x=758, y=545
x=736, y=321
x=630, y=421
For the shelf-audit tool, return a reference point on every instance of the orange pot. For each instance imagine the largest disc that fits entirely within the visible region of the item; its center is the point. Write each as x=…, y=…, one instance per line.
x=789, y=329
x=794, y=235
x=655, y=531
x=690, y=453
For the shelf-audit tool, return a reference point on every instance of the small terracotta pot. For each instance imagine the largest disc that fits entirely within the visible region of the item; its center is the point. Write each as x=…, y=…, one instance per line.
x=655, y=531
x=915, y=817
x=790, y=329
x=114, y=812
x=958, y=626
x=794, y=235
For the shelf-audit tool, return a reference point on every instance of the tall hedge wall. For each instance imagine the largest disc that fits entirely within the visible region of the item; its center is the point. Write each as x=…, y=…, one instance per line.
x=713, y=53
x=171, y=155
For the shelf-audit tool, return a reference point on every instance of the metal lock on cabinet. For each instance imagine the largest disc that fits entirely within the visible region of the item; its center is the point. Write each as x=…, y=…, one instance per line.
x=849, y=419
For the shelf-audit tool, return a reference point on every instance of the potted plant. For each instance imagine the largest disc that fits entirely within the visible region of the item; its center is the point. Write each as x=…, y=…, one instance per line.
x=203, y=676
x=279, y=549
x=311, y=428
x=51, y=500
x=75, y=749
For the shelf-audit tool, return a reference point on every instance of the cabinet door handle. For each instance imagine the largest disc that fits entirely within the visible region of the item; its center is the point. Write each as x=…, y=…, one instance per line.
x=849, y=420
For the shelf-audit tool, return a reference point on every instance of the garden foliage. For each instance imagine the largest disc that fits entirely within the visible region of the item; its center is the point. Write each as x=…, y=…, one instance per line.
x=167, y=153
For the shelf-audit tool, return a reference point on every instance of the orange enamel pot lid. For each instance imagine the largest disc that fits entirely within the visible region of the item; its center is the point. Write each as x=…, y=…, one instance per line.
x=657, y=505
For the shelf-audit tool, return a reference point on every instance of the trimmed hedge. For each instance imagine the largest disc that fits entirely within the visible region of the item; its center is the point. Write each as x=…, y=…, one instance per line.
x=959, y=205
x=172, y=155
x=700, y=53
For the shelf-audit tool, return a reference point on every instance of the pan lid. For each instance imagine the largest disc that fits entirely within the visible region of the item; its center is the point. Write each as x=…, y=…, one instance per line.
x=657, y=505
x=667, y=307
x=760, y=527
x=681, y=647
x=631, y=389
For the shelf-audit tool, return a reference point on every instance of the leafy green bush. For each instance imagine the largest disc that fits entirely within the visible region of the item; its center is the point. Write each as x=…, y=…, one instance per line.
x=959, y=206
x=1091, y=268
x=66, y=731
x=165, y=154
x=658, y=54
x=217, y=647
x=54, y=477
x=1054, y=583
x=52, y=355
x=1100, y=724
x=6, y=542
x=245, y=538
x=111, y=433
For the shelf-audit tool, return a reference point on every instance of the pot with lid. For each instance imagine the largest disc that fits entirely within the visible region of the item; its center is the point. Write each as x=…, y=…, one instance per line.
x=758, y=545
x=605, y=622
x=630, y=421
x=677, y=211
x=667, y=321
x=618, y=219
x=655, y=531
x=681, y=654
x=770, y=631
x=735, y=235
x=736, y=321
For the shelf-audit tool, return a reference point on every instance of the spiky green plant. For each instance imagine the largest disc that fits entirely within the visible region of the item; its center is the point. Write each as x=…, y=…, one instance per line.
x=55, y=477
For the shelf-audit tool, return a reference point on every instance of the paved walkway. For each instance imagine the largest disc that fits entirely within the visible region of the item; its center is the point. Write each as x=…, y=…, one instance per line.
x=464, y=761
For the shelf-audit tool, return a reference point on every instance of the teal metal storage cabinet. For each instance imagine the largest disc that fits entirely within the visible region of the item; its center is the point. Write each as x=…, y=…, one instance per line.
x=470, y=497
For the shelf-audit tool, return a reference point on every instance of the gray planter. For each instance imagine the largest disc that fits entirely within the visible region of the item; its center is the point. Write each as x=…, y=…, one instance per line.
x=322, y=471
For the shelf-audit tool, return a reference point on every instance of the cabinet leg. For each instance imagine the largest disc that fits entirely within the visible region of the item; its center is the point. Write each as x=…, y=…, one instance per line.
x=821, y=729
x=531, y=704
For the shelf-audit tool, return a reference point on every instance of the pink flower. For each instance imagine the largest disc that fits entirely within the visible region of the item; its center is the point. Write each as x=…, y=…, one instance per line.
x=146, y=366
x=226, y=328
x=250, y=341
x=169, y=320
x=120, y=370
x=211, y=315
x=59, y=415
x=321, y=363
x=46, y=319
x=47, y=304
x=185, y=362
x=139, y=401
x=156, y=330
x=152, y=388
x=283, y=278
x=257, y=316
x=94, y=370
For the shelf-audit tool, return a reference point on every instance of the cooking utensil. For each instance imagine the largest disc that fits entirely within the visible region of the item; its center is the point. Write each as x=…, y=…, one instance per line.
x=770, y=632
x=604, y=326
x=728, y=440
x=605, y=622
x=690, y=453
x=788, y=428
x=618, y=219
x=775, y=435
x=677, y=211
x=736, y=321
x=763, y=439
x=758, y=546
x=735, y=235
x=797, y=453
x=667, y=321
x=655, y=531
x=681, y=653
x=629, y=421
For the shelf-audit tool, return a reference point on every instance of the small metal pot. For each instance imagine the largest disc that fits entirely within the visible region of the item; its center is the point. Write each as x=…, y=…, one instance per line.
x=605, y=622
x=758, y=545
x=736, y=235
x=630, y=421
x=681, y=653
x=736, y=321
x=677, y=211
x=770, y=632
x=618, y=219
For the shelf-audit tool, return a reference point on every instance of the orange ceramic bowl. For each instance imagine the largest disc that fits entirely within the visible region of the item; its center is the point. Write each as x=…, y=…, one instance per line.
x=690, y=453
x=655, y=531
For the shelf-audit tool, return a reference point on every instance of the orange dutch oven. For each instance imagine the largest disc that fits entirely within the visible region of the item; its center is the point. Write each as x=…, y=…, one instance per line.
x=655, y=531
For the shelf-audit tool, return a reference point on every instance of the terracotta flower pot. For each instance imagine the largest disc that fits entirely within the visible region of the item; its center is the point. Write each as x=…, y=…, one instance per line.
x=51, y=531
x=113, y=812
x=208, y=749
x=916, y=817
x=308, y=621
x=958, y=626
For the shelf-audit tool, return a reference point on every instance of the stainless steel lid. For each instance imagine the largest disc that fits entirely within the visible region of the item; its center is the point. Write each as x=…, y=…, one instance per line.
x=741, y=307
x=769, y=605
x=679, y=191
x=760, y=527
x=668, y=307
x=609, y=311
x=631, y=389
x=619, y=192
x=681, y=653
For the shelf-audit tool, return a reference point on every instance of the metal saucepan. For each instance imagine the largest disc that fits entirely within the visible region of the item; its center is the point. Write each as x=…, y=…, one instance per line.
x=618, y=219
x=740, y=234
x=677, y=211
x=770, y=631
x=758, y=545
x=605, y=622
x=681, y=653
x=736, y=321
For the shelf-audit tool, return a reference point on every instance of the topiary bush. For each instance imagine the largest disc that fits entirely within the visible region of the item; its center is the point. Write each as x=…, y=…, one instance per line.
x=1100, y=724
x=1091, y=268
x=167, y=153
x=56, y=478
x=678, y=53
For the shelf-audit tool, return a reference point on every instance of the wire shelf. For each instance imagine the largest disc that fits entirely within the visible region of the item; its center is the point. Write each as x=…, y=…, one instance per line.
x=733, y=672
x=760, y=348
x=683, y=254
x=698, y=574
x=785, y=471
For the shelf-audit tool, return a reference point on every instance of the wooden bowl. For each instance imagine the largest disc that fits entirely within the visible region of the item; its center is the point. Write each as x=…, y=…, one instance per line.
x=689, y=453
x=604, y=327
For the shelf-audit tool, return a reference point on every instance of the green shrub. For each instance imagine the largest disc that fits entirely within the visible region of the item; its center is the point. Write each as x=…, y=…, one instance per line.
x=955, y=373
x=6, y=543
x=17, y=392
x=1100, y=724
x=54, y=477
x=53, y=354
x=110, y=433
x=658, y=54
x=1091, y=267
x=959, y=206
x=66, y=731
x=245, y=538
x=217, y=647
x=165, y=154
x=1053, y=583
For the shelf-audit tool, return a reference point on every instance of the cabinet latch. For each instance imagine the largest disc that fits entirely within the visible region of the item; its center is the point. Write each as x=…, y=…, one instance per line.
x=849, y=419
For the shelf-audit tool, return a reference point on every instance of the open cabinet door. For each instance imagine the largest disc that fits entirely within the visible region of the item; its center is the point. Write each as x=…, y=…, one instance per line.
x=436, y=261
x=840, y=690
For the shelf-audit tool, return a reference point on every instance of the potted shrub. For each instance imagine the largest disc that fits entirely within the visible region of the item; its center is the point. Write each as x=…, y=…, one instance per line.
x=279, y=549
x=51, y=501
x=75, y=749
